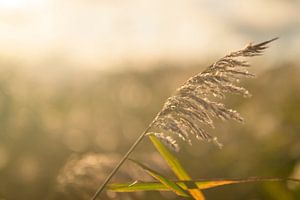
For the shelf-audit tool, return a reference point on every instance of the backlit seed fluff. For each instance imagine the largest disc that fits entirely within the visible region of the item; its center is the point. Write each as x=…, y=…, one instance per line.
x=190, y=109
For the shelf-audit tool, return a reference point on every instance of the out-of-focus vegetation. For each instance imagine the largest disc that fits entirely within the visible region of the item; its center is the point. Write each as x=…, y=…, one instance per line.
x=48, y=115
x=63, y=124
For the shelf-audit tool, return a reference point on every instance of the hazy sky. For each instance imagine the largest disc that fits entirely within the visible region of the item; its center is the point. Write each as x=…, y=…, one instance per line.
x=98, y=33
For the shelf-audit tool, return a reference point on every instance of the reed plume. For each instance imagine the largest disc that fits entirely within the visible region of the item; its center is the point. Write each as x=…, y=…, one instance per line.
x=79, y=176
x=191, y=107
x=185, y=113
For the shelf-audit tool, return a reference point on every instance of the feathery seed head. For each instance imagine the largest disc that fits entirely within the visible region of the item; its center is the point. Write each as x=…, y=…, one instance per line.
x=186, y=112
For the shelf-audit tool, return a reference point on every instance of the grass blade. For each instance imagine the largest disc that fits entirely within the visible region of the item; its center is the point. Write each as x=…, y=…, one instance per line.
x=170, y=159
x=175, y=165
x=166, y=182
x=186, y=185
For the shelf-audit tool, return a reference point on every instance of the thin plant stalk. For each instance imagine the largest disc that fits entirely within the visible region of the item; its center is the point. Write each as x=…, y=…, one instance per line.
x=115, y=170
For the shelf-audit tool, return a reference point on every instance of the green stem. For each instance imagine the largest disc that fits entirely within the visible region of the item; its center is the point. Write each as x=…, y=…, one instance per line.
x=115, y=170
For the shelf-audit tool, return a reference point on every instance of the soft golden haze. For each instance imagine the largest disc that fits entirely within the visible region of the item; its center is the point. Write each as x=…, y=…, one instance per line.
x=103, y=34
x=81, y=79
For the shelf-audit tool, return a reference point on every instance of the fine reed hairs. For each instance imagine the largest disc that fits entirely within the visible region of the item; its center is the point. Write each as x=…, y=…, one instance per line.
x=185, y=113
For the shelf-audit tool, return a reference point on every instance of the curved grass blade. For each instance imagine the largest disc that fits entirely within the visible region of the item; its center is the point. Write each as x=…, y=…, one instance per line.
x=166, y=182
x=175, y=165
x=186, y=185
x=170, y=159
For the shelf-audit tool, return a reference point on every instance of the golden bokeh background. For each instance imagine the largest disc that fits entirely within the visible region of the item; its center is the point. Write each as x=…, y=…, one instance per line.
x=79, y=81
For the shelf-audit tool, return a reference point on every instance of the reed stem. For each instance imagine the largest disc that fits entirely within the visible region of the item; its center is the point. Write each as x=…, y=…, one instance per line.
x=125, y=157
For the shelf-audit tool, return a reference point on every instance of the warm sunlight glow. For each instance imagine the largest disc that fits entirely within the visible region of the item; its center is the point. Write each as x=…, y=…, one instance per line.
x=11, y=4
x=106, y=33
